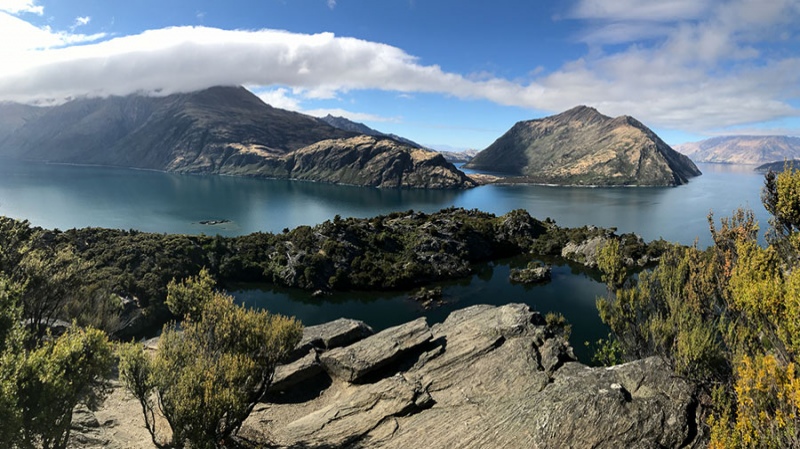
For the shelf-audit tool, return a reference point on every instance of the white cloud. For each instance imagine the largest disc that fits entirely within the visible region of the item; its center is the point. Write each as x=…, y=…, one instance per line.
x=650, y=10
x=283, y=98
x=18, y=6
x=19, y=40
x=331, y=4
x=280, y=98
x=81, y=21
x=696, y=66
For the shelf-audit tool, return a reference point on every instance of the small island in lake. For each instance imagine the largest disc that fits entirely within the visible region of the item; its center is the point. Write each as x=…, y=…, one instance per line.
x=214, y=222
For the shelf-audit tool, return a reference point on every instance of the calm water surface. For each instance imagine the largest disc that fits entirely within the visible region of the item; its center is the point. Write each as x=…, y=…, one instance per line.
x=58, y=196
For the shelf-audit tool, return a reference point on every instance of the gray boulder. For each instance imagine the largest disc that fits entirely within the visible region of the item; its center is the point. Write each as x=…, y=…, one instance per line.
x=353, y=362
x=291, y=374
x=487, y=377
x=334, y=334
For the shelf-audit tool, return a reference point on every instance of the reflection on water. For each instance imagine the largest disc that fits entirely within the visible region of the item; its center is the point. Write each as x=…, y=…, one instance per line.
x=572, y=292
x=57, y=196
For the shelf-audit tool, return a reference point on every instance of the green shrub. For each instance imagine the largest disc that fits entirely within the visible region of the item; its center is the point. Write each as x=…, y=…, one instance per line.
x=206, y=378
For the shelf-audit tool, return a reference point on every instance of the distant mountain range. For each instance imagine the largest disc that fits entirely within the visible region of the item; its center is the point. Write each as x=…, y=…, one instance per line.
x=457, y=157
x=229, y=130
x=221, y=130
x=583, y=147
x=753, y=150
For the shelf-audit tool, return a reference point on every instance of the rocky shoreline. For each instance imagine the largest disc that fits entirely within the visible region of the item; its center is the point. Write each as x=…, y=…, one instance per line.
x=485, y=377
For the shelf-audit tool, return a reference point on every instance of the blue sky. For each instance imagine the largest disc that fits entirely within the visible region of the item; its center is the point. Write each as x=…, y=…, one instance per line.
x=439, y=72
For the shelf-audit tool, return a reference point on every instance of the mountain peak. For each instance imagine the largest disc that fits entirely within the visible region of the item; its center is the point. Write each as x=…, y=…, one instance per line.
x=581, y=146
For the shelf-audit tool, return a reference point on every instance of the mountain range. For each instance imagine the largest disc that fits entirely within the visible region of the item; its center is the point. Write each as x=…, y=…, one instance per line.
x=221, y=130
x=229, y=130
x=583, y=147
x=753, y=150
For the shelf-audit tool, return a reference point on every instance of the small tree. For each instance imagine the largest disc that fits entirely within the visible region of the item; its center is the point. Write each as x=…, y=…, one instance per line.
x=50, y=279
x=206, y=378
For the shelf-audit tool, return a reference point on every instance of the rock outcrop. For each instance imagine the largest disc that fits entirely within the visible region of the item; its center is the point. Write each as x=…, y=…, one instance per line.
x=360, y=128
x=750, y=150
x=488, y=377
x=368, y=161
x=583, y=147
x=485, y=377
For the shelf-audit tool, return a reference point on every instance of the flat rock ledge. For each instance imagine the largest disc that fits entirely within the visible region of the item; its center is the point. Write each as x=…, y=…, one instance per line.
x=487, y=377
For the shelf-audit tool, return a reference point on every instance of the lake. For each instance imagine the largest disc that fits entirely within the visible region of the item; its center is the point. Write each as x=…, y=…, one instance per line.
x=63, y=197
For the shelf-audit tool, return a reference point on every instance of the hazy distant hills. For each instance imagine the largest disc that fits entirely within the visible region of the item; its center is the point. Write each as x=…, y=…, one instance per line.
x=583, y=147
x=224, y=130
x=14, y=116
x=459, y=156
x=743, y=149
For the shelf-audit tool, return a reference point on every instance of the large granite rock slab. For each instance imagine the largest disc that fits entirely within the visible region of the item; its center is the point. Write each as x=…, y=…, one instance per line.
x=291, y=374
x=363, y=357
x=486, y=377
x=342, y=422
x=334, y=334
x=489, y=377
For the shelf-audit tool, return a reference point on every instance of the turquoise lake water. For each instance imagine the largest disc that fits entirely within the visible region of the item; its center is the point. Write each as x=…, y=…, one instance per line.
x=63, y=197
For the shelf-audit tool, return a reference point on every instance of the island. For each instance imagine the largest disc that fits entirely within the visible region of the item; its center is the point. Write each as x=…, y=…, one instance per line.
x=583, y=147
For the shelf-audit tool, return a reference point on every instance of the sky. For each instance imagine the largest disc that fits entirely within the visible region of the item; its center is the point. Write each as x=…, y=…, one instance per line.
x=443, y=73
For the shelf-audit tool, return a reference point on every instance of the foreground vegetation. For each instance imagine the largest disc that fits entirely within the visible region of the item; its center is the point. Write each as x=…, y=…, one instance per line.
x=117, y=280
x=207, y=376
x=727, y=317
x=63, y=293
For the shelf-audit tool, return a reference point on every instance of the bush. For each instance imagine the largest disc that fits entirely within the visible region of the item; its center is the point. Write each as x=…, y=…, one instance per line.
x=729, y=318
x=41, y=381
x=206, y=378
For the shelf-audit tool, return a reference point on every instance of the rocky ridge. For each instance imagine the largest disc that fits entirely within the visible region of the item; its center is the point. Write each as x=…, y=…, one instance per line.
x=485, y=377
x=583, y=147
x=360, y=128
x=368, y=161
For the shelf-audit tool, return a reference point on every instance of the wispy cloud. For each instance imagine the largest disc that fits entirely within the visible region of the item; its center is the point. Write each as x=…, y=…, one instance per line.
x=18, y=6
x=20, y=41
x=331, y=4
x=696, y=65
x=656, y=11
x=79, y=22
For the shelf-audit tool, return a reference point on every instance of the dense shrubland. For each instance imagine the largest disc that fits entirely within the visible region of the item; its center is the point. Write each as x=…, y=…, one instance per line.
x=63, y=292
x=727, y=317
x=103, y=274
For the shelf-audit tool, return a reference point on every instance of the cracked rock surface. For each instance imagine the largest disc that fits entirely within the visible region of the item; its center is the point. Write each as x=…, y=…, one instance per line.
x=486, y=377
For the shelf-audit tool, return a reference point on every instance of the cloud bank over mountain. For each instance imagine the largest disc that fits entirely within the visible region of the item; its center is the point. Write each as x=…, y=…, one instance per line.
x=692, y=65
